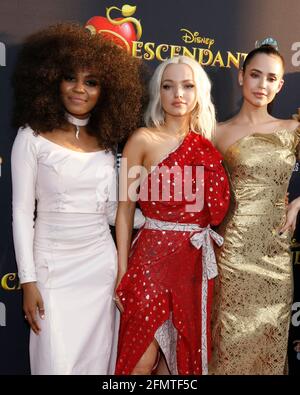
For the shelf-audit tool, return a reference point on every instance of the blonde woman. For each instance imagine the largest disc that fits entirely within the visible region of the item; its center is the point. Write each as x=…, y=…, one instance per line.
x=165, y=293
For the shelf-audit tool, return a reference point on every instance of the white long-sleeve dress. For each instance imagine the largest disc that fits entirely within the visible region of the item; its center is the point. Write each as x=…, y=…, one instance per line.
x=68, y=250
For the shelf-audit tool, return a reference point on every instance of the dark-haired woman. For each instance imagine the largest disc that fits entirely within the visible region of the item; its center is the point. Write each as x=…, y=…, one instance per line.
x=76, y=97
x=254, y=290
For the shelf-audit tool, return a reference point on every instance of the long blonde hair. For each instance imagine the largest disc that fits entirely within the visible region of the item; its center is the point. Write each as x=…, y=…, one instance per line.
x=203, y=118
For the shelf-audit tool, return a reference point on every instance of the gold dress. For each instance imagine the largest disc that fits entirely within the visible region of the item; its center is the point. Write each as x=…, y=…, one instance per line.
x=254, y=287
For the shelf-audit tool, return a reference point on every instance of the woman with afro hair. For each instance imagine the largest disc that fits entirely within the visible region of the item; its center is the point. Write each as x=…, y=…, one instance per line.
x=76, y=97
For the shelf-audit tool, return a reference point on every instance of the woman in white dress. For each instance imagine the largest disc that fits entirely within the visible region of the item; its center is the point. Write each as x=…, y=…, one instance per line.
x=76, y=97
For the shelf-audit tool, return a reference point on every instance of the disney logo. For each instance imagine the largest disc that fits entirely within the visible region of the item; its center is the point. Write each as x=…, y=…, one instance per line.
x=190, y=37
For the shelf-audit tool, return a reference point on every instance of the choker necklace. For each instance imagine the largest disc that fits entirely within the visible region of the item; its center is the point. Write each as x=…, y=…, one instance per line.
x=77, y=122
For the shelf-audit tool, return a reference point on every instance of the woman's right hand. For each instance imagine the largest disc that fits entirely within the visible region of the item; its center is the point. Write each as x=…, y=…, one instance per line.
x=33, y=304
x=292, y=211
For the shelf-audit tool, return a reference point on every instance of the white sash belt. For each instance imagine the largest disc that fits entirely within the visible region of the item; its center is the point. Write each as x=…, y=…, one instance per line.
x=200, y=237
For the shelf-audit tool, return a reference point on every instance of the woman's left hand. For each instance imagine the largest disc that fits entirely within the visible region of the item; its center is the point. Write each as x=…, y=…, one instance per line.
x=119, y=303
x=116, y=297
x=291, y=216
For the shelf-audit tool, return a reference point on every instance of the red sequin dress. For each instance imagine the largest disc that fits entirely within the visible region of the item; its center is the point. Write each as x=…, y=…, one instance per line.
x=167, y=289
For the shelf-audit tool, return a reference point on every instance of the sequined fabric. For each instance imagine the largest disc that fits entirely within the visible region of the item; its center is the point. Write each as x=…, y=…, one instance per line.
x=254, y=286
x=162, y=291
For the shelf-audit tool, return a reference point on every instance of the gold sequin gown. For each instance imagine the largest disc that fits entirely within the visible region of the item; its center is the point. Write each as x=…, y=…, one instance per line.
x=254, y=287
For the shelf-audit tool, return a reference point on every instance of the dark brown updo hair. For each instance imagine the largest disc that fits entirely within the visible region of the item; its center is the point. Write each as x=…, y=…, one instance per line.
x=264, y=49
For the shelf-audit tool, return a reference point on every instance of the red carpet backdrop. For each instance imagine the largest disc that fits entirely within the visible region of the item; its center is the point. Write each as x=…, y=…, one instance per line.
x=218, y=34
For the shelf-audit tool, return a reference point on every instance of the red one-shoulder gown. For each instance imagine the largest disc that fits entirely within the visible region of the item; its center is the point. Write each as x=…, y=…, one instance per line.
x=167, y=290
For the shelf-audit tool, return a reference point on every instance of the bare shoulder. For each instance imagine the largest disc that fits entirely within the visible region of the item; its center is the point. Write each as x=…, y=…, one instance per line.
x=136, y=140
x=144, y=137
x=137, y=144
x=222, y=128
x=139, y=136
x=289, y=124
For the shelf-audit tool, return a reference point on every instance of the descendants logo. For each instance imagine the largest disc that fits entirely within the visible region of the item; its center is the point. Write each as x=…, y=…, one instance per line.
x=126, y=32
x=295, y=250
x=120, y=30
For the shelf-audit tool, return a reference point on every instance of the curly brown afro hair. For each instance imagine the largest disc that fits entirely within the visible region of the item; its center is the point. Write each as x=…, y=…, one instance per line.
x=52, y=53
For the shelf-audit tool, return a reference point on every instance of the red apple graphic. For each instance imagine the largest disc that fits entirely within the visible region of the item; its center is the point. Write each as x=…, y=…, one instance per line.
x=122, y=35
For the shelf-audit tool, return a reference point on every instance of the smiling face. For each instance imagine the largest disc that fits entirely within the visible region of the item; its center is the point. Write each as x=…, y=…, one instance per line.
x=262, y=79
x=80, y=93
x=178, y=90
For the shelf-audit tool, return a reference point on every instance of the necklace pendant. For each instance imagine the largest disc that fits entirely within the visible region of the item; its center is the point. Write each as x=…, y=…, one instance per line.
x=77, y=132
x=77, y=122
